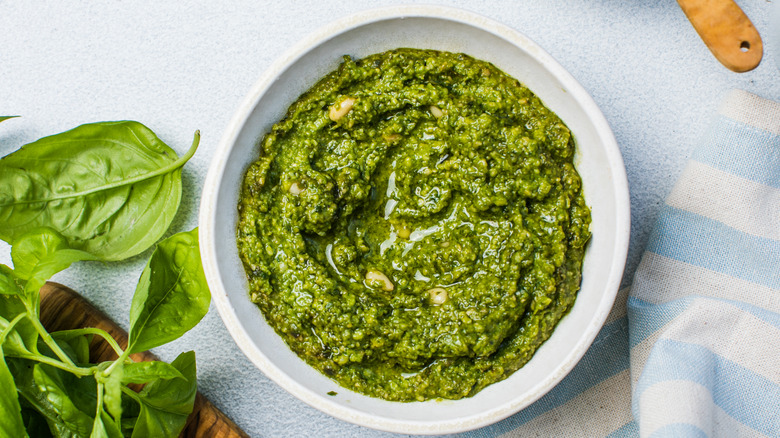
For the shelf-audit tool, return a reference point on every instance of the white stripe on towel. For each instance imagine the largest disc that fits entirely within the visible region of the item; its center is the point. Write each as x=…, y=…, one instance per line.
x=721, y=327
x=752, y=110
x=742, y=204
x=682, y=401
x=661, y=279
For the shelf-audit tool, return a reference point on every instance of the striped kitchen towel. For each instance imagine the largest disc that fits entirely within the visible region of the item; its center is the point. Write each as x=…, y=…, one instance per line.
x=693, y=349
x=704, y=310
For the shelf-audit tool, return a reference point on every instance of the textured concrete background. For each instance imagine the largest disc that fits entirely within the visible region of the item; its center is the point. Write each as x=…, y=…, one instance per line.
x=186, y=65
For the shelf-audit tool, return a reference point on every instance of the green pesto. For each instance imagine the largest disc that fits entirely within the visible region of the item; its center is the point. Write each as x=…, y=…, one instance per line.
x=427, y=242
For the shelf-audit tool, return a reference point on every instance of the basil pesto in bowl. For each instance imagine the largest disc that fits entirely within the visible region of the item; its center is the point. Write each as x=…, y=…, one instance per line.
x=414, y=227
x=397, y=236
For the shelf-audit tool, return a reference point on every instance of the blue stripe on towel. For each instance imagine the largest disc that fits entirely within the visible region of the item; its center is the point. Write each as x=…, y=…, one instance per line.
x=647, y=318
x=727, y=146
x=607, y=356
x=700, y=241
x=748, y=397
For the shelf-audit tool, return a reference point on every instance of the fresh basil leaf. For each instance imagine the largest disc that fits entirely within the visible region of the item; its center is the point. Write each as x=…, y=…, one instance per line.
x=8, y=285
x=130, y=410
x=166, y=404
x=41, y=253
x=105, y=427
x=64, y=345
x=172, y=295
x=82, y=393
x=81, y=390
x=4, y=118
x=98, y=428
x=143, y=372
x=112, y=390
x=13, y=345
x=79, y=345
x=51, y=391
x=112, y=188
x=128, y=424
x=32, y=247
x=77, y=341
x=30, y=395
x=174, y=395
x=10, y=308
x=11, y=423
x=34, y=422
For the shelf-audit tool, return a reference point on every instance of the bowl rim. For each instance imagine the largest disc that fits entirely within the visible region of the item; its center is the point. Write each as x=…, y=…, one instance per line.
x=217, y=169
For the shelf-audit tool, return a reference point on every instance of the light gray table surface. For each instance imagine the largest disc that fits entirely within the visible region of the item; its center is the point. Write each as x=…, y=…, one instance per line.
x=186, y=65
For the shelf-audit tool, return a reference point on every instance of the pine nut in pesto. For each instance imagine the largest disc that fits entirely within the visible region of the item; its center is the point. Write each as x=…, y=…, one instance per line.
x=414, y=228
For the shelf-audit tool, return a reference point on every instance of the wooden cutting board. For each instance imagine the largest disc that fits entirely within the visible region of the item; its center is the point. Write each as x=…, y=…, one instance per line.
x=64, y=309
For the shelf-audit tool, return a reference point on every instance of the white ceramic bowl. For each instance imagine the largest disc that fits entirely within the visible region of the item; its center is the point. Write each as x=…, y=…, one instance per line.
x=598, y=161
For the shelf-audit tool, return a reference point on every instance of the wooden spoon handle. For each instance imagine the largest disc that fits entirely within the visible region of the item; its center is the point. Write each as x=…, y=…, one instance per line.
x=727, y=31
x=64, y=309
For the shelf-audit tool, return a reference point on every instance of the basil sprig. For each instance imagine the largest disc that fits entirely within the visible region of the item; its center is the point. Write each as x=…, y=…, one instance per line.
x=103, y=191
x=111, y=189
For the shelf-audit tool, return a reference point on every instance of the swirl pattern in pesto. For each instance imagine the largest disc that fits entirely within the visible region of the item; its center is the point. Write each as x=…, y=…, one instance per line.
x=414, y=227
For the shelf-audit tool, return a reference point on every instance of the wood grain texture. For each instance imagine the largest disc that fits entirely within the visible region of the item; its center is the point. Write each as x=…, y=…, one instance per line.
x=727, y=32
x=64, y=309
